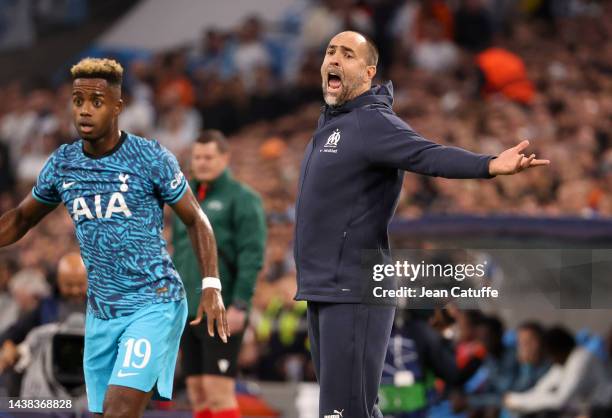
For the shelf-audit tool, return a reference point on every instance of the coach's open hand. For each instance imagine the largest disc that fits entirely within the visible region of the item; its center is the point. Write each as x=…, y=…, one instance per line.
x=513, y=161
x=211, y=304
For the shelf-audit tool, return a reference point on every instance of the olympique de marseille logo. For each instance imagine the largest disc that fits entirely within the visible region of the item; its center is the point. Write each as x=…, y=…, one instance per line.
x=332, y=142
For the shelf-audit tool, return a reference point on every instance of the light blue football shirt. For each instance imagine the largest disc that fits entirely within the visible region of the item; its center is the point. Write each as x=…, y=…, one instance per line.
x=116, y=203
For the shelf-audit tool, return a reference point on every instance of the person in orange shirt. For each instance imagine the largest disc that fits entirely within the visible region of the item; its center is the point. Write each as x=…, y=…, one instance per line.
x=504, y=72
x=173, y=78
x=438, y=11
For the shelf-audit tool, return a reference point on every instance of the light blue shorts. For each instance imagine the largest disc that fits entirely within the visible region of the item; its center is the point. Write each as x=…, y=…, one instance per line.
x=138, y=351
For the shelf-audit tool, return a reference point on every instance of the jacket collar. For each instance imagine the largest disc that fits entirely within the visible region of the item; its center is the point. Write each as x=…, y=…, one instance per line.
x=379, y=94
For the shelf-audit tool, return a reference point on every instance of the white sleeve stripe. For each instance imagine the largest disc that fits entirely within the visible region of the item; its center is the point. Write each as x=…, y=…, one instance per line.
x=179, y=193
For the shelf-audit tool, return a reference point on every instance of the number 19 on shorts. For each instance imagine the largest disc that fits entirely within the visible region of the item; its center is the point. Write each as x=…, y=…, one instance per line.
x=139, y=350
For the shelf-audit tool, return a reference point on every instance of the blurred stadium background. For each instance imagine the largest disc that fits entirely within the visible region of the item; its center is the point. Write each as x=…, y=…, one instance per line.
x=480, y=74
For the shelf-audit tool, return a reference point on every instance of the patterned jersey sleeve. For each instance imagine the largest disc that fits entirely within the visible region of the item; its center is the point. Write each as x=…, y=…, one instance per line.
x=45, y=189
x=169, y=181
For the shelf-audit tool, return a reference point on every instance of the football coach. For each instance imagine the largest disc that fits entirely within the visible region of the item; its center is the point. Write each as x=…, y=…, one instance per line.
x=350, y=180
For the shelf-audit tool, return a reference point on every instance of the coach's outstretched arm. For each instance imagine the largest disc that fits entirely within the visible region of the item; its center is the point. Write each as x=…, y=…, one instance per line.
x=205, y=248
x=391, y=142
x=15, y=223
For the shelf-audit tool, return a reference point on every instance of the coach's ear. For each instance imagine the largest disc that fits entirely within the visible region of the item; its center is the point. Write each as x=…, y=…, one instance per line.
x=371, y=72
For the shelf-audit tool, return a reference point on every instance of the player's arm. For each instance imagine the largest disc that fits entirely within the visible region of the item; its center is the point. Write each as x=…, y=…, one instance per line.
x=204, y=246
x=15, y=223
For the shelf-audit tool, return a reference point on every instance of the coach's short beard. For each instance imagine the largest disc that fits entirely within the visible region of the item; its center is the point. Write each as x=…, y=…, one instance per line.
x=346, y=94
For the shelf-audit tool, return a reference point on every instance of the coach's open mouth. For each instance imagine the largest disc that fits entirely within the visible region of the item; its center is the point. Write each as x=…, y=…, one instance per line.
x=334, y=82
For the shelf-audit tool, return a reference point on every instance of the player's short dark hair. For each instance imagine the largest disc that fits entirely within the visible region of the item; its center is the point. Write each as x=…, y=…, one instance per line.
x=104, y=68
x=212, y=135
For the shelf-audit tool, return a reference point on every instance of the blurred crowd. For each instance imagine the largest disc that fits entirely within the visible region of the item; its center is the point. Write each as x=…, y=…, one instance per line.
x=23, y=22
x=452, y=363
x=480, y=74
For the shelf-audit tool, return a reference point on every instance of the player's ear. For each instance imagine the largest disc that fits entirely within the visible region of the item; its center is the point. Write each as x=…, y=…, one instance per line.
x=118, y=106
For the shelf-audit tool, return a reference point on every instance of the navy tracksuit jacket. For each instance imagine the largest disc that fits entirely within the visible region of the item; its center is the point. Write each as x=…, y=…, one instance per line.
x=349, y=185
x=350, y=182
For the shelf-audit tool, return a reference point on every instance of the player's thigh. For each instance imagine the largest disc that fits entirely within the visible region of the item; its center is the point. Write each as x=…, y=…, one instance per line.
x=146, y=346
x=125, y=402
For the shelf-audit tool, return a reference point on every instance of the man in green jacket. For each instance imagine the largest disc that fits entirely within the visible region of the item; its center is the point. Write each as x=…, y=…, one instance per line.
x=237, y=217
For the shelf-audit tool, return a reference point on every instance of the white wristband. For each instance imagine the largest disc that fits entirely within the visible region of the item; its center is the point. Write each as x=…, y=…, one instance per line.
x=211, y=282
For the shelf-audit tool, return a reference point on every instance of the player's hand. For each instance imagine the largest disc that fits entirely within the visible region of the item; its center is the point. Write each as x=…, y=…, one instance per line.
x=211, y=304
x=513, y=161
x=236, y=319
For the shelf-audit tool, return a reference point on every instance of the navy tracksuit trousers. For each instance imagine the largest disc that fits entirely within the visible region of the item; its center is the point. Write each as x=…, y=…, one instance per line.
x=348, y=345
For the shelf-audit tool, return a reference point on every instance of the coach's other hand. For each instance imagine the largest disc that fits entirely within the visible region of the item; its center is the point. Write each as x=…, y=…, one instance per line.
x=513, y=161
x=211, y=304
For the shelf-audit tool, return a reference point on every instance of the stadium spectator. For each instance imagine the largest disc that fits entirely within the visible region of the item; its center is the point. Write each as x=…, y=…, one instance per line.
x=250, y=54
x=409, y=25
x=172, y=78
x=213, y=56
x=19, y=29
x=178, y=124
x=530, y=355
x=9, y=309
x=71, y=297
x=28, y=287
x=604, y=411
x=577, y=378
x=281, y=333
x=473, y=25
x=496, y=375
x=139, y=81
x=434, y=52
x=418, y=353
x=468, y=346
x=280, y=263
x=138, y=115
x=504, y=72
x=329, y=17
